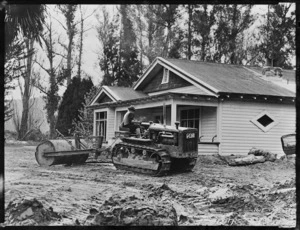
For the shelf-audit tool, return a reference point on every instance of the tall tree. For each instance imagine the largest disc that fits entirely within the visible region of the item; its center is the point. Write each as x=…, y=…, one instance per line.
x=166, y=17
x=55, y=76
x=176, y=48
x=203, y=20
x=26, y=88
x=107, y=34
x=68, y=12
x=119, y=61
x=80, y=45
x=23, y=22
x=154, y=32
x=189, y=34
x=81, y=31
x=12, y=71
x=127, y=33
x=278, y=32
x=232, y=20
x=72, y=103
x=138, y=14
x=84, y=124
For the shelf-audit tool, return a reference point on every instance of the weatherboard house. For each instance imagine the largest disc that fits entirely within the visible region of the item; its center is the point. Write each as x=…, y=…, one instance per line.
x=235, y=108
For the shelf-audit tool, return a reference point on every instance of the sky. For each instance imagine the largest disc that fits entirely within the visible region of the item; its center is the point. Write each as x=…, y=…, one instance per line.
x=92, y=45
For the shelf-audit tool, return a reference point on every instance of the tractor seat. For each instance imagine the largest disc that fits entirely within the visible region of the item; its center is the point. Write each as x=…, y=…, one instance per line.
x=123, y=132
x=121, y=128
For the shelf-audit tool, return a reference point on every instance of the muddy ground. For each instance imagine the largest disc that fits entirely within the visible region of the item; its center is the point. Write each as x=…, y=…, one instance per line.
x=96, y=193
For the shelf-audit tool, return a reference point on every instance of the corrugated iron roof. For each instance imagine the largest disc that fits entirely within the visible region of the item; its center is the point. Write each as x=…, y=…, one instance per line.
x=125, y=93
x=228, y=78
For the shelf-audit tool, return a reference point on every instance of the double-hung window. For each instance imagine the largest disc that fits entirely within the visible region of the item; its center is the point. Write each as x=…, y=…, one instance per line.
x=189, y=118
x=101, y=124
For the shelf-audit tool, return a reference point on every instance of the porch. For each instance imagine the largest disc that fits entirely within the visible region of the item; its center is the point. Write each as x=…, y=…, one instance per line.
x=202, y=115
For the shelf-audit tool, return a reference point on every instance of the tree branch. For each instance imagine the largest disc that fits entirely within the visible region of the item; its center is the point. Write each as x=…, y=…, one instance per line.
x=63, y=56
x=63, y=45
x=60, y=23
x=40, y=88
x=46, y=70
x=86, y=17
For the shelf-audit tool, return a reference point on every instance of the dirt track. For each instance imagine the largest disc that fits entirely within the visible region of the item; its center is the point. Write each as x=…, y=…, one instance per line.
x=213, y=194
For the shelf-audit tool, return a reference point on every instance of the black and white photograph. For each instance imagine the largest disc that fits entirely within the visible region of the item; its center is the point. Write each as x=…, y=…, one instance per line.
x=149, y=114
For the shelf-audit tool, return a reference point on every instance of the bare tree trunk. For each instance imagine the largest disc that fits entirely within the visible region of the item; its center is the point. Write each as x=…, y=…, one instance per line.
x=168, y=41
x=27, y=91
x=52, y=124
x=203, y=50
x=81, y=43
x=233, y=37
x=141, y=36
x=189, y=55
x=68, y=11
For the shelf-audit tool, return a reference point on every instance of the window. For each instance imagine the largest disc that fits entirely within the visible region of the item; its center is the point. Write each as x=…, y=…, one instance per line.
x=189, y=118
x=101, y=124
x=265, y=121
x=165, y=78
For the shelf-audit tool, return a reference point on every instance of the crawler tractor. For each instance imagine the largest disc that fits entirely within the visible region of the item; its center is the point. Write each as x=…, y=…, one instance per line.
x=163, y=148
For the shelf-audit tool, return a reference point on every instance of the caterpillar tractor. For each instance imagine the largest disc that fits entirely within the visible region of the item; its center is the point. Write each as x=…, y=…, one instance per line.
x=161, y=149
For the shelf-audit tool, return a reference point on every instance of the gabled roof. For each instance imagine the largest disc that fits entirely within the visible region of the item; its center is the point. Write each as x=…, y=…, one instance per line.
x=117, y=93
x=218, y=78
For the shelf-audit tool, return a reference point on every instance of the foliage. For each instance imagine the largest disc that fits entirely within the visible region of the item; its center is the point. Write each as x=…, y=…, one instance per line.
x=25, y=20
x=154, y=32
x=127, y=34
x=13, y=57
x=203, y=20
x=22, y=22
x=279, y=35
x=84, y=123
x=68, y=11
x=167, y=17
x=72, y=102
x=119, y=61
x=232, y=20
x=56, y=75
x=176, y=48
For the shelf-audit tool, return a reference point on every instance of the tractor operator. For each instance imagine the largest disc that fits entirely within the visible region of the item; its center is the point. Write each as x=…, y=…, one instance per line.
x=127, y=122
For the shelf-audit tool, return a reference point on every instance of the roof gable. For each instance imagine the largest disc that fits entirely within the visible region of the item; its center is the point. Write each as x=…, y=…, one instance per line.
x=155, y=83
x=115, y=93
x=160, y=63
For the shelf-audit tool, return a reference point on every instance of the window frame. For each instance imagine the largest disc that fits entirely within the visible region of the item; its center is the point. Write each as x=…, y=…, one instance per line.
x=190, y=119
x=104, y=120
x=166, y=76
x=260, y=126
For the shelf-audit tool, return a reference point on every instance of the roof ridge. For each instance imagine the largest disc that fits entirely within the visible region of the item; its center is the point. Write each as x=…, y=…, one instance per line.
x=186, y=60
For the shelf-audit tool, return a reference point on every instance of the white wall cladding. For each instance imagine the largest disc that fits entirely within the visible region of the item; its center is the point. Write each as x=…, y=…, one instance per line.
x=110, y=123
x=208, y=125
x=239, y=135
x=207, y=149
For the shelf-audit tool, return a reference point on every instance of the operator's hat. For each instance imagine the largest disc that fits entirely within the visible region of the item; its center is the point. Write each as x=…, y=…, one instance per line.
x=131, y=108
